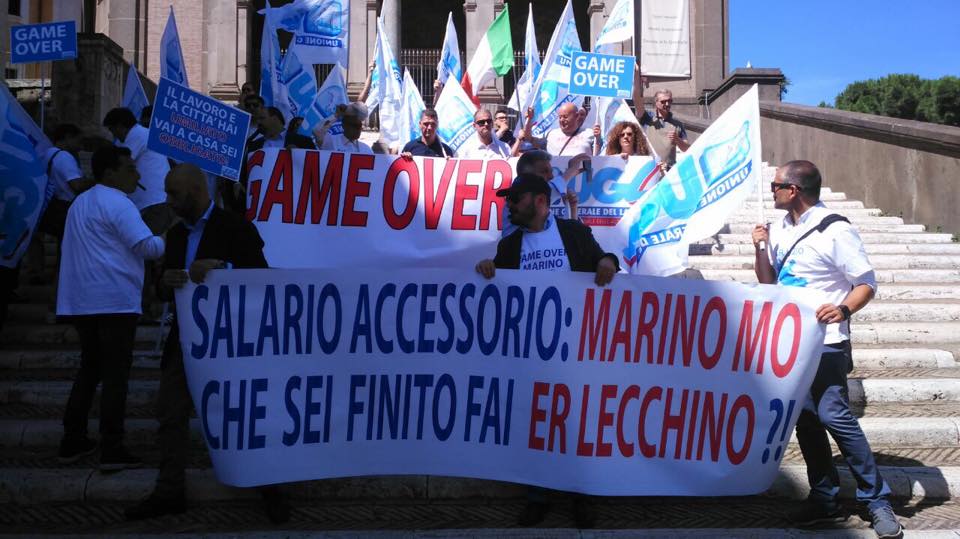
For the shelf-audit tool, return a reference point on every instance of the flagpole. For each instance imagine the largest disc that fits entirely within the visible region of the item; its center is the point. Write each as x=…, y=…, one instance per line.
x=516, y=92
x=42, y=84
x=762, y=246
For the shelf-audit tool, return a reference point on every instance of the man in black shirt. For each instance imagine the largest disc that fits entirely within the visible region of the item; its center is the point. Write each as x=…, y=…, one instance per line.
x=428, y=145
x=501, y=122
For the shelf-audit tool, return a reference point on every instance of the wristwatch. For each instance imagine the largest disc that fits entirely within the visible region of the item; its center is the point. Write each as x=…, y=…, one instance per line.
x=845, y=310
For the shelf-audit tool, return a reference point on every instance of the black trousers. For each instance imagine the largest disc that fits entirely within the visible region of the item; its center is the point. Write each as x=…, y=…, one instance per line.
x=106, y=352
x=173, y=412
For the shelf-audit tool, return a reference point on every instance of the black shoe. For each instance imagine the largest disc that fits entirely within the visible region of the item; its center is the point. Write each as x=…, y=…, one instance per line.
x=71, y=451
x=156, y=506
x=275, y=505
x=533, y=514
x=118, y=459
x=884, y=521
x=584, y=513
x=813, y=512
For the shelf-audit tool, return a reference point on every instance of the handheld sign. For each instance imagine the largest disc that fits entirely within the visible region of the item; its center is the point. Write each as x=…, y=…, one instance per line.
x=602, y=75
x=42, y=42
x=191, y=127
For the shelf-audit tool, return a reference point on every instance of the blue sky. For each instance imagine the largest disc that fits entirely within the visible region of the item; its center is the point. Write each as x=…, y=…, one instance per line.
x=822, y=46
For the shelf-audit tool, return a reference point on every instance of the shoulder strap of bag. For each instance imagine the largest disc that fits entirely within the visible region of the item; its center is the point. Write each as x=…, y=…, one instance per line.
x=826, y=222
x=50, y=163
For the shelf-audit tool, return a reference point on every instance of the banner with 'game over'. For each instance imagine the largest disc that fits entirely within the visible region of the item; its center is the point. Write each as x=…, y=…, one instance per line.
x=646, y=386
x=317, y=209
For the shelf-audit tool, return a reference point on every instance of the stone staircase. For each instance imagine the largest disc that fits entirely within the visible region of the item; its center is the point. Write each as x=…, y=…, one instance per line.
x=906, y=388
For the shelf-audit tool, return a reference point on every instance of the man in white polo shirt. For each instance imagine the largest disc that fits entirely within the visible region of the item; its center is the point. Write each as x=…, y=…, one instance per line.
x=101, y=276
x=815, y=248
x=485, y=146
x=149, y=198
x=351, y=118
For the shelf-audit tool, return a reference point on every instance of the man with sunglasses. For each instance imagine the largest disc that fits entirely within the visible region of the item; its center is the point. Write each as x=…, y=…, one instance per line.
x=543, y=242
x=485, y=146
x=815, y=248
x=664, y=132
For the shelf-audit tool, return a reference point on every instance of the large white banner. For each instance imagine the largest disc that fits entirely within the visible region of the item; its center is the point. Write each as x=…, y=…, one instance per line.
x=648, y=386
x=317, y=209
x=665, y=38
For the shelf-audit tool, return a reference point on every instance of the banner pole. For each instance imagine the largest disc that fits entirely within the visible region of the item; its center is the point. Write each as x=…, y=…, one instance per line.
x=42, y=84
x=763, y=245
x=516, y=92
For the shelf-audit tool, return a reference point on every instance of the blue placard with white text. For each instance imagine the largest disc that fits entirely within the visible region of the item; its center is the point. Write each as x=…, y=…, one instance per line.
x=191, y=127
x=43, y=42
x=601, y=75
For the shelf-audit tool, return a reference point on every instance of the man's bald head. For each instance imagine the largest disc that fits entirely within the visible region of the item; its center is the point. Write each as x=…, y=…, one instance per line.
x=568, y=116
x=186, y=187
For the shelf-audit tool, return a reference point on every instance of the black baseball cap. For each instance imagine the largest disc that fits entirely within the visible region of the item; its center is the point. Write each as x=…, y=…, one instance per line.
x=526, y=183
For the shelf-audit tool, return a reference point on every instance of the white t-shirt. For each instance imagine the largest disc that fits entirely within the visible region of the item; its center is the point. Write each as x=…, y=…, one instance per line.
x=99, y=272
x=544, y=251
x=474, y=148
x=833, y=261
x=64, y=170
x=152, y=166
x=580, y=142
x=340, y=143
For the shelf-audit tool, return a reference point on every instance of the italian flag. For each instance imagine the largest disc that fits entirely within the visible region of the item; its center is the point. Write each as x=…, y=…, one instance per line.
x=494, y=56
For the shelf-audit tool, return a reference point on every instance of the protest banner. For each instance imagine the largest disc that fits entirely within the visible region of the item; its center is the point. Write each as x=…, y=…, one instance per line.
x=190, y=127
x=425, y=212
x=43, y=42
x=645, y=387
x=601, y=75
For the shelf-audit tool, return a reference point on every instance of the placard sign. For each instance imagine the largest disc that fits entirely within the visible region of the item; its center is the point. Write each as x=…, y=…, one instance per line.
x=602, y=75
x=43, y=42
x=191, y=127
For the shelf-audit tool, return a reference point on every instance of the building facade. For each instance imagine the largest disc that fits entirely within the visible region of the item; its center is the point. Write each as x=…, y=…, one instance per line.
x=221, y=38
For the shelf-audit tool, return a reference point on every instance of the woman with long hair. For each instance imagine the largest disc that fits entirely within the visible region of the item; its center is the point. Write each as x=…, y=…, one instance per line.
x=626, y=139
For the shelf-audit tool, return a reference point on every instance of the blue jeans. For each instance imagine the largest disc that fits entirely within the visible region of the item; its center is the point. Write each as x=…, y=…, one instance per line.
x=828, y=410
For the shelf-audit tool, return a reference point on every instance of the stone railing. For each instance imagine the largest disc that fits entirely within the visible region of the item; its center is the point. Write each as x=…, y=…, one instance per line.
x=906, y=168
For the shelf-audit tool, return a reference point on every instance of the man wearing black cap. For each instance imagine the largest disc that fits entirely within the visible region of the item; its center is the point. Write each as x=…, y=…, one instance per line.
x=544, y=242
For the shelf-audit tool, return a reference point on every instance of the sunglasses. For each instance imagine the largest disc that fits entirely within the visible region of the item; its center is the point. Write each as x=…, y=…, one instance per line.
x=774, y=186
x=482, y=122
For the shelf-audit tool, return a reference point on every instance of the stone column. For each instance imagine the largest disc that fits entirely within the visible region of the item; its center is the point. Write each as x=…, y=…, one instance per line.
x=245, y=13
x=219, y=71
x=363, y=38
x=597, y=10
x=390, y=13
x=85, y=89
x=125, y=26
x=479, y=15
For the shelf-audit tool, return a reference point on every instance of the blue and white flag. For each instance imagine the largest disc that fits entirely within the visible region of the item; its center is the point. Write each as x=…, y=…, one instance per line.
x=373, y=93
x=389, y=88
x=24, y=189
x=455, y=111
x=320, y=28
x=300, y=86
x=619, y=25
x=134, y=98
x=551, y=89
x=410, y=110
x=712, y=179
x=450, y=54
x=271, y=62
x=172, y=65
x=332, y=92
x=531, y=63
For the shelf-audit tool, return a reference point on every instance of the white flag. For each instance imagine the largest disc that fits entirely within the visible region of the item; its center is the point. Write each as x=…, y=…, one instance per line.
x=24, y=189
x=531, y=65
x=619, y=25
x=389, y=88
x=172, y=65
x=455, y=112
x=410, y=110
x=551, y=89
x=450, y=54
x=134, y=98
x=712, y=179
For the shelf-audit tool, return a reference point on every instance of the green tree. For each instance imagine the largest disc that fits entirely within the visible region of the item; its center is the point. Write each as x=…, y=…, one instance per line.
x=905, y=96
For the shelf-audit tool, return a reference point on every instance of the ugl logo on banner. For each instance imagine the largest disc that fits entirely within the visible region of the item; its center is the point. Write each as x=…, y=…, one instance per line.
x=191, y=127
x=43, y=42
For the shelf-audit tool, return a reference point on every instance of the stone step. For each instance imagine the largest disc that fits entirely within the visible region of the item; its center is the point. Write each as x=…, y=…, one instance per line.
x=834, y=205
x=880, y=262
x=918, y=291
x=867, y=237
x=887, y=333
x=58, y=334
x=770, y=214
x=863, y=392
x=64, y=358
x=68, y=485
x=857, y=219
x=747, y=228
x=885, y=311
x=900, y=358
x=883, y=432
x=873, y=249
x=929, y=276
